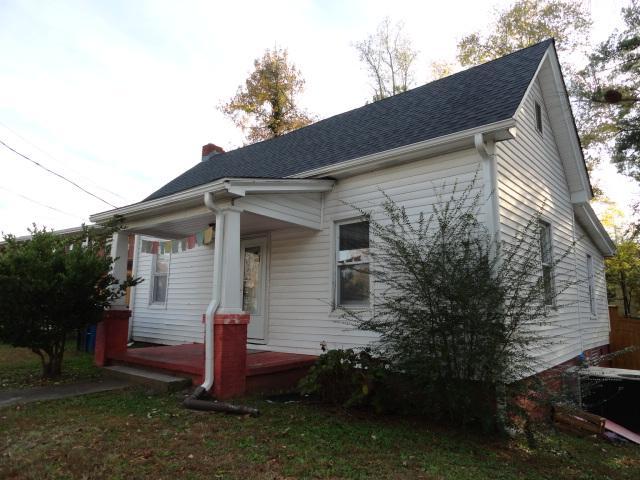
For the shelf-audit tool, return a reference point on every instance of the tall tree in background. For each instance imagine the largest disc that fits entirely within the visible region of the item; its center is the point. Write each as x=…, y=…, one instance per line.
x=530, y=21
x=527, y=22
x=266, y=106
x=608, y=89
x=388, y=56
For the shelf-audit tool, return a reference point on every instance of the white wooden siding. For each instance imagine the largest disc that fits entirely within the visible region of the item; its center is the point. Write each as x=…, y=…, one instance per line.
x=530, y=175
x=298, y=208
x=595, y=328
x=188, y=294
x=302, y=260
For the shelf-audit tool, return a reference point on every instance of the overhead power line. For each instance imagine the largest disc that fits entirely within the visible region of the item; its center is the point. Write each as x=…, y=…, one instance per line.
x=58, y=161
x=40, y=203
x=57, y=174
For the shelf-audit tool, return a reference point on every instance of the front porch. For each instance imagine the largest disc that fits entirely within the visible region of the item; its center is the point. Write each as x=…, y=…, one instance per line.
x=265, y=370
x=238, y=215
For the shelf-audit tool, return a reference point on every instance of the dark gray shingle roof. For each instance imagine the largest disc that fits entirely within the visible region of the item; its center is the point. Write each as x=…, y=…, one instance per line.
x=478, y=96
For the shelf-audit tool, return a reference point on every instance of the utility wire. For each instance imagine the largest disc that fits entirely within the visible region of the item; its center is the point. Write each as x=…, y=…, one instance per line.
x=58, y=161
x=41, y=204
x=57, y=174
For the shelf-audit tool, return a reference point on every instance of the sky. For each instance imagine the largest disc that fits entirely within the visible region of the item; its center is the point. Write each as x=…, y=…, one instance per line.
x=120, y=96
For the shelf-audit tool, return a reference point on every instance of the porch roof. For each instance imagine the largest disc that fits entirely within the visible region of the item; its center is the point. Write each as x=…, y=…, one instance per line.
x=174, y=215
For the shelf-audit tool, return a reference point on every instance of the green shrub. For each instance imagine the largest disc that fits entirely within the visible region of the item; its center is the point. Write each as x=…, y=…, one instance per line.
x=348, y=378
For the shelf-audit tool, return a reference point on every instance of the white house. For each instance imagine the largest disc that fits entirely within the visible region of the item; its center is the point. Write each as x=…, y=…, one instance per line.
x=286, y=238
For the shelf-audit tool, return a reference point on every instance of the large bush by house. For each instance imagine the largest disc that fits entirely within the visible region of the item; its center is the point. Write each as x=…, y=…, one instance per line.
x=458, y=314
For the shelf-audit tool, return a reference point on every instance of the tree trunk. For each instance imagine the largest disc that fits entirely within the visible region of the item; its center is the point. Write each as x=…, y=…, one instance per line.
x=52, y=363
x=626, y=301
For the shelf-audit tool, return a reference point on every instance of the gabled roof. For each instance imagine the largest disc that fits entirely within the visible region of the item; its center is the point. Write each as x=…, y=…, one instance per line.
x=479, y=96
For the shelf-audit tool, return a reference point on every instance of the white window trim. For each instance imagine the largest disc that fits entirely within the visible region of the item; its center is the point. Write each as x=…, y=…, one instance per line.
x=545, y=221
x=336, y=309
x=152, y=275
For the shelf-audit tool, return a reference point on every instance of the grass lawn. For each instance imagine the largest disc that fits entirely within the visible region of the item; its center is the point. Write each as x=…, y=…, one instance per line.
x=20, y=367
x=131, y=434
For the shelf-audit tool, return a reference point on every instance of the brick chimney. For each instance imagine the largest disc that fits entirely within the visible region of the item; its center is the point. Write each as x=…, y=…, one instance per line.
x=209, y=150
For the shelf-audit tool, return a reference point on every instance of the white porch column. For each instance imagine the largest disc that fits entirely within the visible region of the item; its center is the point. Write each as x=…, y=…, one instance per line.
x=231, y=294
x=119, y=255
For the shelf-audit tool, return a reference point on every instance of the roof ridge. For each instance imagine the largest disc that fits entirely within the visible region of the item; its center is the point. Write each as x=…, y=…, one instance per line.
x=396, y=95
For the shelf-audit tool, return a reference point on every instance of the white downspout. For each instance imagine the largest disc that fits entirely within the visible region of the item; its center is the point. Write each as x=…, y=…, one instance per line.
x=217, y=286
x=490, y=176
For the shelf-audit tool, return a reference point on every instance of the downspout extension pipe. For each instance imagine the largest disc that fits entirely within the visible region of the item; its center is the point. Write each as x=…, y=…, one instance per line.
x=198, y=400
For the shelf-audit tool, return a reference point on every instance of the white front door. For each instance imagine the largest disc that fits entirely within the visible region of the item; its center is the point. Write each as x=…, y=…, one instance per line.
x=254, y=266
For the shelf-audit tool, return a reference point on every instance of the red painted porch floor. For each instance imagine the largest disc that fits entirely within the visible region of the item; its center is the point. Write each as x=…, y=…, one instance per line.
x=189, y=359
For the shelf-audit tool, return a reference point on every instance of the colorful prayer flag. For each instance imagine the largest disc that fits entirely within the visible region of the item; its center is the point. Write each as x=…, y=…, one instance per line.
x=208, y=236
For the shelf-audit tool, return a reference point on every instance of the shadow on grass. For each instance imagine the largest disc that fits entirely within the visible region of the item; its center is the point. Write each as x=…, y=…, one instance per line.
x=21, y=368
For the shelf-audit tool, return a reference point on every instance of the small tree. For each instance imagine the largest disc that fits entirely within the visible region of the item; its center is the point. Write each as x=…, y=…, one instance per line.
x=457, y=314
x=266, y=107
x=51, y=286
x=388, y=56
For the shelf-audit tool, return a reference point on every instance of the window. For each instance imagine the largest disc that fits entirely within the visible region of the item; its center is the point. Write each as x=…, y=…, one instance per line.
x=538, y=117
x=546, y=256
x=592, y=290
x=352, y=259
x=159, y=276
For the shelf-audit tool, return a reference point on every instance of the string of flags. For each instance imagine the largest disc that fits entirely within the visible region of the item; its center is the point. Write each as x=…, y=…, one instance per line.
x=205, y=237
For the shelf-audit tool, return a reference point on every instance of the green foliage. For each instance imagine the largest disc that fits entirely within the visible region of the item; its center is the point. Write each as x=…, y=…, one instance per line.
x=609, y=108
x=527, y=22
x=623, y=272
x=52, y=285
x=266, y=107
x=347, y=378
x=457, y=314
x=388, y=57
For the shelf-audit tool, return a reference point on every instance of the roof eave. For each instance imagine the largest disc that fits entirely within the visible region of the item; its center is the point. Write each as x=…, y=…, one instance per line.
x=588, y=219
x=497, y=131
x=233, y=187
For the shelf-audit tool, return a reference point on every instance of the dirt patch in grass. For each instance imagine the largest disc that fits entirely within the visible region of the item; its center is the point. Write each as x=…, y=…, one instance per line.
x=133, y=435
x=20, y=367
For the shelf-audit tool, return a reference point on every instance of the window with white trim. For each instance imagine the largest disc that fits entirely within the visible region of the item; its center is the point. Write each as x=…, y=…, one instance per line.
x=159, y=278
x=591, y=283
x=352, y=264
x=546, y=258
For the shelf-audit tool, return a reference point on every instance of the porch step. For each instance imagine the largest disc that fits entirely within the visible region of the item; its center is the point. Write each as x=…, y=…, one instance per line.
x=156, y=381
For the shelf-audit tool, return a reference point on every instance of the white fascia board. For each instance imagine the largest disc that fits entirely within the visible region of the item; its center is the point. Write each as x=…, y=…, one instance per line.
x=244, y=186
x=594, y=228
x=158, y=204
x=502, y=130
x=576, y=148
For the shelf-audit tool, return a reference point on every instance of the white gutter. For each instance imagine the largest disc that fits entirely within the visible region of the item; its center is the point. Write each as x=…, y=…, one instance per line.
x=217, y=288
